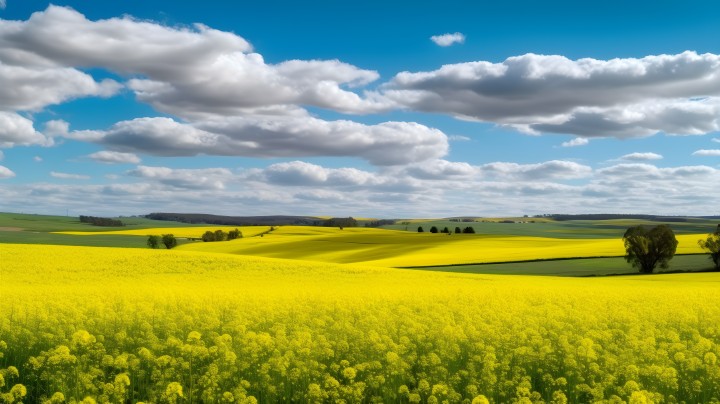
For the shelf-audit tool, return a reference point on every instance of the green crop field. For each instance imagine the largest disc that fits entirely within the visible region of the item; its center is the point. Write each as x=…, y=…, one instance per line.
x=541, y=227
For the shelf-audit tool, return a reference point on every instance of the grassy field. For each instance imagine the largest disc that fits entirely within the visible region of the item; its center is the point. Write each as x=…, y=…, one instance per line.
x=558, y=229
x=62, y=230
x=188, y=232
x=577, y=267
x=45, y=223
x=134, y=325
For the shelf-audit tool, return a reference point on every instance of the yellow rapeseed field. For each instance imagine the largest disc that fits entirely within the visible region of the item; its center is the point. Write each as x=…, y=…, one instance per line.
x=392, y=248
x=172, y=326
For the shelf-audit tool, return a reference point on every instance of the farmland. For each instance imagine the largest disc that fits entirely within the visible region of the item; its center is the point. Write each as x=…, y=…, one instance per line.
x=518, y=244
x=318, y=314
x=181, y=326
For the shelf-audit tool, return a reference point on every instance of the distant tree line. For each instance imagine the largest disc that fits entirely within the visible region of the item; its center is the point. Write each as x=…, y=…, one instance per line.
x=201, y=218
x=434, y=229
x=219, y=235
x=101, y=221
x=381, y=222
x=340, y=222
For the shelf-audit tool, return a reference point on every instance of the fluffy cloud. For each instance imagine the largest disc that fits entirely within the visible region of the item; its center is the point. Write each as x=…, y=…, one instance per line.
x=296, y=186
x=706, y=152
x=199, y=179
x=441, y=170
x=230, y=101
x=33, y=88
x=16, y=130
x=189, y=72
x=641, y=156
x=621, y=98
x=578, y=141
x=6, y=172
x=445, y=40
x=299, y=173
x=388, y=143
x=110, y=157
x=549, y=170
x=639, y=173
x=67, y=176
x=716, y=140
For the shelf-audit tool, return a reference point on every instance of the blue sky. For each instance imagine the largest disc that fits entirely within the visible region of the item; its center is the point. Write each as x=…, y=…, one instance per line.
x=339, y=108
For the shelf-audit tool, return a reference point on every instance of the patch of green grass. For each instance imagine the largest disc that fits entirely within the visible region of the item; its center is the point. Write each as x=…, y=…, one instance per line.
x=559, y=229
x=16, y=228
x=46, y=223
x=576, y=267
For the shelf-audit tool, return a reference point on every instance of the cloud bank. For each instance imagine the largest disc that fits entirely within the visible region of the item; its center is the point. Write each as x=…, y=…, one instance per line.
x=622, y=98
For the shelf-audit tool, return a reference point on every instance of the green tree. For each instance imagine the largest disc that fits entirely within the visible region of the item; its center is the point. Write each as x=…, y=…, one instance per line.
x=233, y=234
x=433, y=229
x=208, y=236
x=445, y=230
x=153, y=241
x=712, y=244
x=469, y=230
x=220, y=235
x=647, y=249
x=458, y=230
x=169, y=240
x=420, y=229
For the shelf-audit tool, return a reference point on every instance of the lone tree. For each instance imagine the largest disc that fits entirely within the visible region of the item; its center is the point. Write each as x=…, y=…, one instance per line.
x=153, y=241
x=169, y=240
x=712, y=244
x=457, y=230
x=433, y=229
x=420, y=229
x=646, y=249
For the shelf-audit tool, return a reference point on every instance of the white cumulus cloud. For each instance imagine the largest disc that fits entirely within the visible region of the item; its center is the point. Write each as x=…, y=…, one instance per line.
x=448, y=39
x=68, y=176
x=201, y=178
x=16, y=130
x=578, y=141
x=6, y=172
x=707, y=152
x=622, y=98
x=111, y=157
x=388, y=143
x=641, y=156
x=549, y=170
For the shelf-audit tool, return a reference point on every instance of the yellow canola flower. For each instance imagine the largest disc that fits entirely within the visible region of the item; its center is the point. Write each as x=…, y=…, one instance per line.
x=114, y=324
x=390, y=248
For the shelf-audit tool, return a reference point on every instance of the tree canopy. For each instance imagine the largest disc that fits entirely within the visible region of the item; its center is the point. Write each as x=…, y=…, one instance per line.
x=169, y=240
x=648, y=248
x=712, y=244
